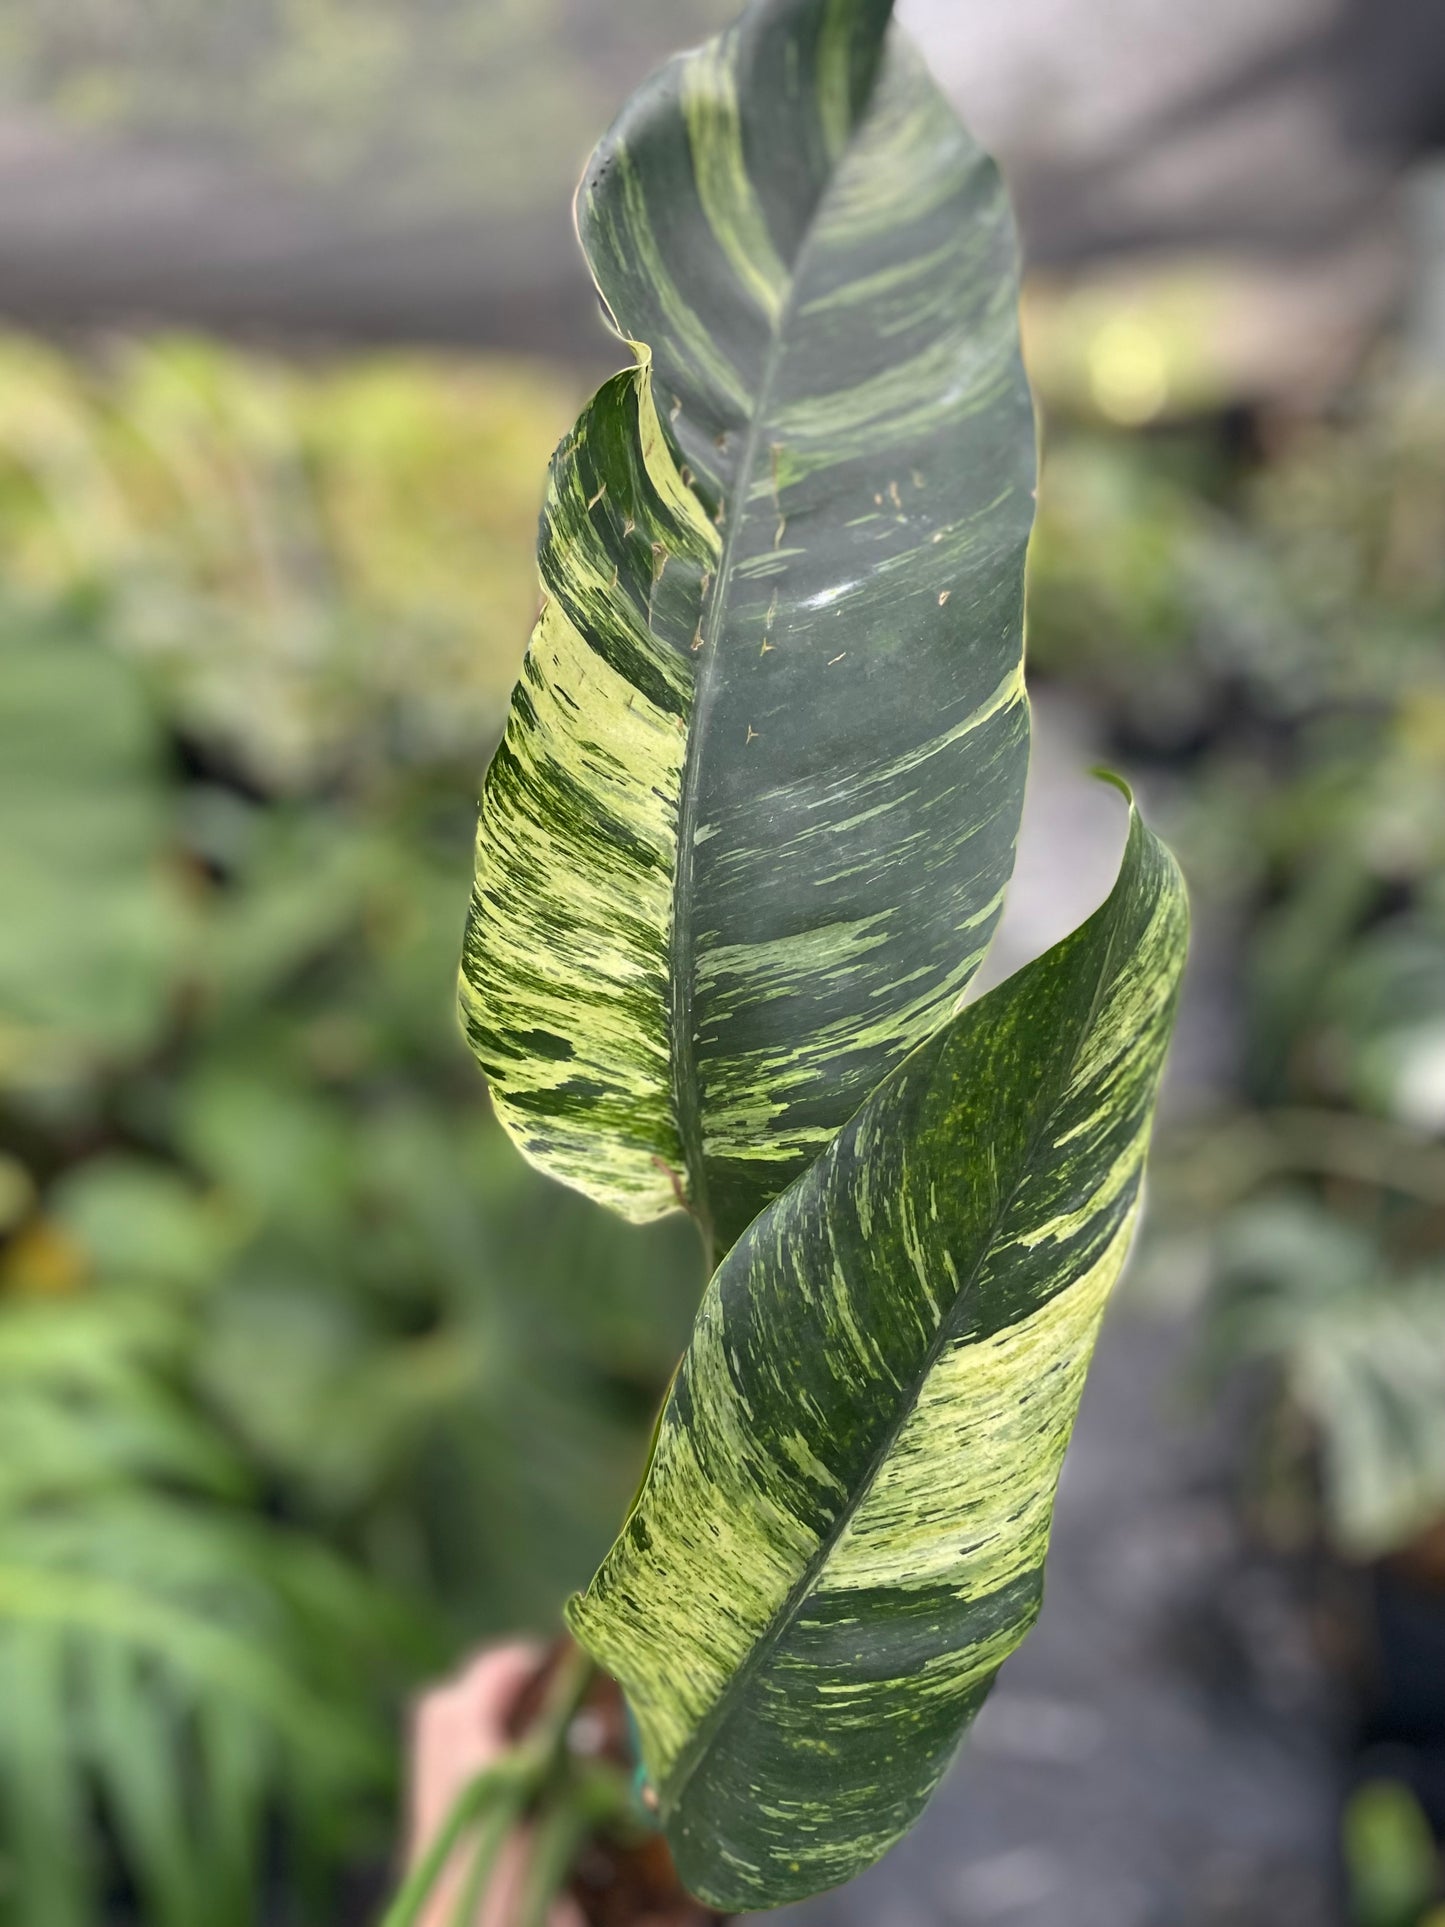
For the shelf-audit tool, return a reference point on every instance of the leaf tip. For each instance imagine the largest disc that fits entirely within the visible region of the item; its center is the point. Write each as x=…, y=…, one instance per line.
x=1115, y=781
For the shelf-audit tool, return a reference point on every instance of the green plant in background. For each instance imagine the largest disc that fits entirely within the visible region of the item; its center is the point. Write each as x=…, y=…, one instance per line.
x=171, y=1660
x=1272, y=646
x=318, y=564
x=1359, y=1351
x=1344, y=989
x=309, y=1381
x=739, y=855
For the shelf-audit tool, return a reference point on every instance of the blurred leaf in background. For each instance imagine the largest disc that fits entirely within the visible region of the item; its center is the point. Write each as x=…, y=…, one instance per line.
x=176, y=1666
x=1360, y=1353
x=309, y=1380
x=1390, y=1859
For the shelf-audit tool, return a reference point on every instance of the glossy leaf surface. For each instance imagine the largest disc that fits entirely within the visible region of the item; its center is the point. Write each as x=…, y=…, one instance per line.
x=842, y=1531
x=746, y=838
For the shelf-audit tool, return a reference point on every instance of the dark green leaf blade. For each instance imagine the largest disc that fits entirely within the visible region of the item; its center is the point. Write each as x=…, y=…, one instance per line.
x=725, y=879
x=842, y=1531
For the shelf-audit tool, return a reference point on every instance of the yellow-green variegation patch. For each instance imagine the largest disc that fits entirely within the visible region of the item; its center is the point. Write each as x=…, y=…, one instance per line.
x=842, y=1530
x=747, y=836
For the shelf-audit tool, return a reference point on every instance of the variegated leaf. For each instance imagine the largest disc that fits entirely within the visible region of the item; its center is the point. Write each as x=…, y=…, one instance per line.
x=747, y=835
x=842, y=1531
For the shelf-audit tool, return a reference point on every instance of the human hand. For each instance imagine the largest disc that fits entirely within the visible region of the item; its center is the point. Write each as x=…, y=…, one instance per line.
x=459, y=1728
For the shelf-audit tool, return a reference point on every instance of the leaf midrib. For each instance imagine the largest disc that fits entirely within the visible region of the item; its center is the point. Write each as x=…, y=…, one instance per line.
x=761, y=1651
x=686, y=1091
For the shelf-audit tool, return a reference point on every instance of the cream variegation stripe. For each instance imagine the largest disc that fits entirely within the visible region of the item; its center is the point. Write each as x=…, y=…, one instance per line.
x=615, y=847
x=966, y=1494
x=842, y=1530
x=728, y=1535
x=725, y=188
x=565, y=976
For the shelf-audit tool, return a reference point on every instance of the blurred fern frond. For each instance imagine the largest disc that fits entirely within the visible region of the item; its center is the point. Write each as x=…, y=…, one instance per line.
x=186, y=1685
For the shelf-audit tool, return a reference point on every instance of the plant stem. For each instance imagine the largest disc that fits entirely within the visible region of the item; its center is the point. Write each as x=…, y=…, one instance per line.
x=566, y=1690
x=590, y=1797
x=491, y=1837
x=522, y=1773
x=559, y=1834
x=508, y=1772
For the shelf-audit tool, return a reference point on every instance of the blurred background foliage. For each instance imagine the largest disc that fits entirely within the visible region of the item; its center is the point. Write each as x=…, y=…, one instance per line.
x=1256, y=616
x=306, y=1381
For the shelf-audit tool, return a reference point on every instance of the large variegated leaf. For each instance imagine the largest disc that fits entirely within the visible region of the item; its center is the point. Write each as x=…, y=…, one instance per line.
x=842, y=1530
x=747, y=835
